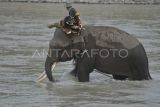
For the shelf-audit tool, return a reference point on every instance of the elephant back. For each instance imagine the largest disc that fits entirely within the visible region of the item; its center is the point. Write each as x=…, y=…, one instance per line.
x=111, y=37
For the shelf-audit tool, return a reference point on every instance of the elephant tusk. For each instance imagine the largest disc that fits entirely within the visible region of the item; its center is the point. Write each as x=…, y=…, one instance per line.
x=41, y=75
x=42, y=78
x=53, y=66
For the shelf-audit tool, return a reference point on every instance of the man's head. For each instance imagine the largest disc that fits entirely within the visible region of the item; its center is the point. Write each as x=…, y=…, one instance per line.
x=68, y=6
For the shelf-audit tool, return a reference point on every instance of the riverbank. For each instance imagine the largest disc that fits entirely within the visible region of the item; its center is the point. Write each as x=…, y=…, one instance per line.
x=90, y=1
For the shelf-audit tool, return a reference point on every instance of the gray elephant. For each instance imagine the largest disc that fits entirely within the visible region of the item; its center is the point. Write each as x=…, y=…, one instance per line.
x=106, y=49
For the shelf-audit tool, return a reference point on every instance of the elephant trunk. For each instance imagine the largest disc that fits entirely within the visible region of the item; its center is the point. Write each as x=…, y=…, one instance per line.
x=49, y=66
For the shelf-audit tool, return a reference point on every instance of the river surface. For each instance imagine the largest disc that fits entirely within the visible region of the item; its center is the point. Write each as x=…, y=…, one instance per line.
x=24, y=40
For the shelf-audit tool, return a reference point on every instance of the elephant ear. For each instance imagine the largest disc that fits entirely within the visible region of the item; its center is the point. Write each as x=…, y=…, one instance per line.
x=83, y=38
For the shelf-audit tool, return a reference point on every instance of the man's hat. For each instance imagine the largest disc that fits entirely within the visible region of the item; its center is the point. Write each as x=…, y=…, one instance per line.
x=68, y=5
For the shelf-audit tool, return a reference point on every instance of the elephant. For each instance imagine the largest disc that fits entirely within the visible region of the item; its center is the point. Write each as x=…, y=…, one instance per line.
x=104, y=48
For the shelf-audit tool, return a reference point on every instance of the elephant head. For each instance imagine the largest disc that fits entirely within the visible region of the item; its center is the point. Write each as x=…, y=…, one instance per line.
x=62, y=48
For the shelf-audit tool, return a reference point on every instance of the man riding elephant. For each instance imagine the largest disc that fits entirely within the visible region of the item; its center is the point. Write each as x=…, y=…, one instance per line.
x=106, y=49
x=72, y=22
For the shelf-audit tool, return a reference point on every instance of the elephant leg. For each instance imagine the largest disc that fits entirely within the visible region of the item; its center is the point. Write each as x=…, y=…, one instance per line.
x=139, y=72
x=84, y=67
x=119, y=77
x=139, y=64
x=83, y=73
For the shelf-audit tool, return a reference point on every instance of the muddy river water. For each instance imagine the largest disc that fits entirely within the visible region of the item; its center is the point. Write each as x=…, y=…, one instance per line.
x=23, y=32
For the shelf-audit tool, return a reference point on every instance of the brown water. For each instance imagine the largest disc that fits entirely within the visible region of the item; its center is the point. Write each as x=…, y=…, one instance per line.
x=23, y=32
